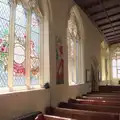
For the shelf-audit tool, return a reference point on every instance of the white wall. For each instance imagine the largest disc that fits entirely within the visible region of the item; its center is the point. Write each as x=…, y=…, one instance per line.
x=16, y=104
x=91, y=47
x=12, y=105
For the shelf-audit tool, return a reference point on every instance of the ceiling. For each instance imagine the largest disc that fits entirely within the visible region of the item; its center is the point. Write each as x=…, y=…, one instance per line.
x=105, y=14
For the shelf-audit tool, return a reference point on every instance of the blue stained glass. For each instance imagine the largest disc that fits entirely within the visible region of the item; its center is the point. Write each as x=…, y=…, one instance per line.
x=4, y=37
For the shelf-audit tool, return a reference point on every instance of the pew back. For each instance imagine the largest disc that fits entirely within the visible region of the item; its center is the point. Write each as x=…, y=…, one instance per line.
x=85, y=115
x=99, y=98
x=95, y=102
x=50, y=117
x=98, y=108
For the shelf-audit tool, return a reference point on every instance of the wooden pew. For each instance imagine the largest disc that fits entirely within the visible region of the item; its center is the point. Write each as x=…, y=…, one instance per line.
x=35, y=115
x=98, y=98
x=98, y=108
x=104, y=95
x=84, y=115
x=95, y=102
x=109, y=88
x=28, y=116
x=51, y=117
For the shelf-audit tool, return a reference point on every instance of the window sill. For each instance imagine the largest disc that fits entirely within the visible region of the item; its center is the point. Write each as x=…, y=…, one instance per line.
x=76, y=84
x=4, y=91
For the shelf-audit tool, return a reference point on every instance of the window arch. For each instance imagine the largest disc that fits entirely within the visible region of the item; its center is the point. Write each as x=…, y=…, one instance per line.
x=20, y=42
x=74, y=50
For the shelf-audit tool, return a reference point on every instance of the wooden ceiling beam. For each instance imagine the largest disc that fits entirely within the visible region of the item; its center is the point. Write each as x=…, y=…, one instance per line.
x=117, y=38
x=105, y=15
x=91, y=5
x=112, y=37
x=109, y=23
x=107, y=9
x=114, y=42
x=109, y=20
x=110, y=27
x=110, y=16
x=111, y=31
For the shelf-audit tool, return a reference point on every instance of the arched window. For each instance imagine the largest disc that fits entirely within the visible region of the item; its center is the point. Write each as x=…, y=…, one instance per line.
x=73, y=39
x=19, y=45
x=116, y=63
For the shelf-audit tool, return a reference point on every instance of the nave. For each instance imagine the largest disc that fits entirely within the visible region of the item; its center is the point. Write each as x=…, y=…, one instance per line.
x=92, y=106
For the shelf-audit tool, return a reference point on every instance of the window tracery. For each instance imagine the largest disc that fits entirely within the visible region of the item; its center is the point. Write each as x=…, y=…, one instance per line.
x=73, y=39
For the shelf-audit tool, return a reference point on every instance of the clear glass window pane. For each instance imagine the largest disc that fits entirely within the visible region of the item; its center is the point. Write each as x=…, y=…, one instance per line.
x=77, y=61
x=118, y=71
x=114, y=72
x=19, y=46
x=114, y=62
x=118, y=75
x=118, y=62
x=4, y=37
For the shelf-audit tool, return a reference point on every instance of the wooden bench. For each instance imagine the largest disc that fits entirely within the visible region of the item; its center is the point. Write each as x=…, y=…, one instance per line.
x=98, y=108
x=98, y=98
x=33, y=115
x=51, y=117
x=105, y=95
x=83, y=115
x=109, y=88
x=95, y=102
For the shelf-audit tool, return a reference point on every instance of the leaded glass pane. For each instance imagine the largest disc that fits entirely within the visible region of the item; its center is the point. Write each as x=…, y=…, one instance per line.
x=114, y=72
x=73, y=49
x=77, y=60
x=4, y=37
x=19, y=46
x=35, y=51
x=114, y=62
x=118, y=62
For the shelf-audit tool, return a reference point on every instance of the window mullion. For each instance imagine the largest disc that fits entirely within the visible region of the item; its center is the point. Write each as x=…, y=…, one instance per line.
x=41, y=56
x=11, y=46
x=75, y=67
x=28, y=48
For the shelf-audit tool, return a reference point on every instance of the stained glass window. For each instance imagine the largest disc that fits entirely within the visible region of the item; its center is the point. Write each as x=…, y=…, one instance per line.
x=116, y=63
x=19, y=46
x=14, y=42
x=4, y=37
x=35, y=50
x=73, y=49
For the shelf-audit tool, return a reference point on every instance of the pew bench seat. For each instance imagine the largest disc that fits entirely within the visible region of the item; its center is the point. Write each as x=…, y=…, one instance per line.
x=83, y=115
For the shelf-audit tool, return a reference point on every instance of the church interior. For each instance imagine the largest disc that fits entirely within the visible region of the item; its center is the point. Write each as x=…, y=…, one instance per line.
x=59, y=64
